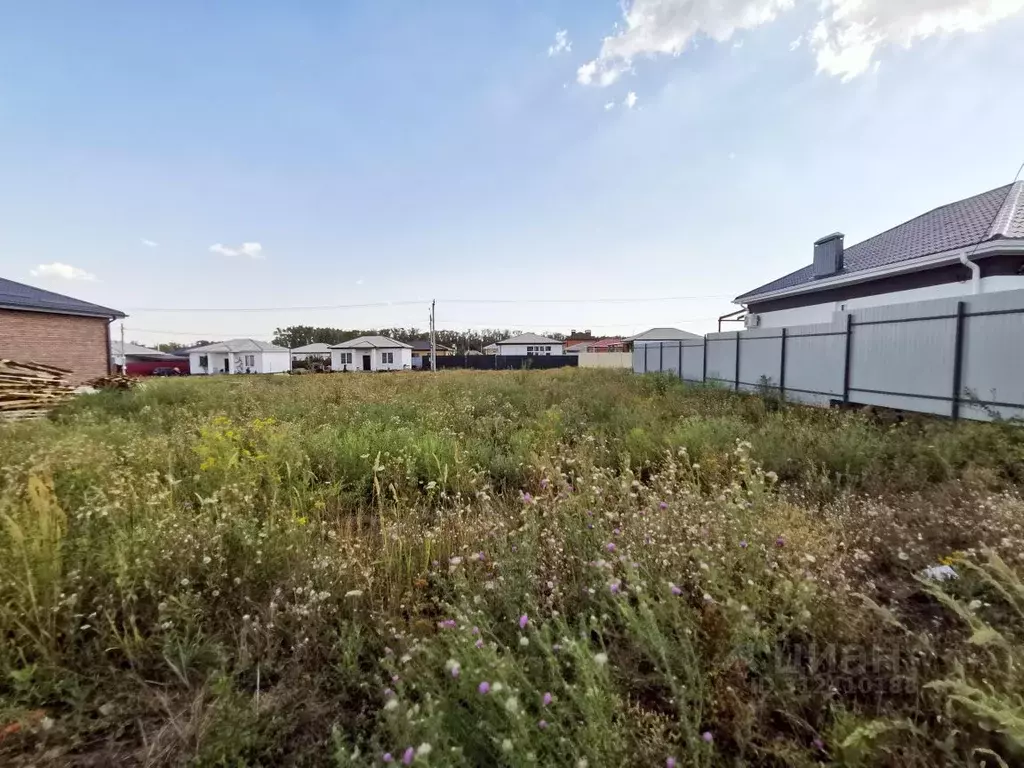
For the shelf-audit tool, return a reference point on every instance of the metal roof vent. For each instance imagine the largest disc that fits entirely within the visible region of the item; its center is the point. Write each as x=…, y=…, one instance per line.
x=828, y=255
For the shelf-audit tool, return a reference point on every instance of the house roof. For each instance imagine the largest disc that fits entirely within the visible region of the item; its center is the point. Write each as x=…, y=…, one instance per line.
x=317, y=348
x=579, y=347
x=137, y=350
x=371, y=342
x=612, y=341
x=664, y=334
x=235, y=346
x=529, y=338
x=423, y=345
x=20, y=296
x=994, y=215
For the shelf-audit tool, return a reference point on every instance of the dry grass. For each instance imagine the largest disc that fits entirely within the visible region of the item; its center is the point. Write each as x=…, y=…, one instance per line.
x=533, y=568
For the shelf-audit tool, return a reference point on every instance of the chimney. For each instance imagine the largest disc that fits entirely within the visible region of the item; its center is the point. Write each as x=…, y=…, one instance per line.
x=828, y=255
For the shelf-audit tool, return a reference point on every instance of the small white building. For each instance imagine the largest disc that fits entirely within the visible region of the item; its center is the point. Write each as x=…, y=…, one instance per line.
x=317, y=351
x=239, y=356
x=530, y=344
x=371, y=353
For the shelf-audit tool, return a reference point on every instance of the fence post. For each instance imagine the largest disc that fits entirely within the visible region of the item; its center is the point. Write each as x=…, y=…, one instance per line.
x=644, y=347
x=661, y=357
x=846, y=364
x=782, y=367
x=737, y=361
x=704, y=364
x=958, y=359
x=680, y=360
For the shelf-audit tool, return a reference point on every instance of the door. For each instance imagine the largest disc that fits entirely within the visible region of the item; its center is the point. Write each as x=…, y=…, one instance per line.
x=366, y=362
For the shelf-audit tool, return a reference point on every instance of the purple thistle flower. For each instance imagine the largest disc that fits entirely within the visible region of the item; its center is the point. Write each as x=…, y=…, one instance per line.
x=542, y=724
x=818, y=744
x=523, y=621
x=675, y=590
x=408, y=756
x=708, y=738
x=446, y=624
x=590, y=526
x=610, y=546
x=481, y=556
x=395, y=678
x=617, y=531
x=479, y=643
x=662, y=505
x=387, y=758
x=780, y=542
x=670, y=762
x=388, y=693
x=475, y=631
x=545, y=699
x=556, y=647
x=743, y=544
x=544, y=483
x=456, y=670
x=527, y=498
x=484, y=687
x=614, y=587
x=589, y=513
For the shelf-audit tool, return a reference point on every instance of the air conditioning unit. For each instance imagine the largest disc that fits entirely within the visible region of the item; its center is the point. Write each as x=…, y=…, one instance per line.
x=753, y=321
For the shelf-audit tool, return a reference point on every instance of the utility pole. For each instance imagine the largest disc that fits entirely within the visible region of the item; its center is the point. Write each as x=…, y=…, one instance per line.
x=124, y=358
x=433, y=339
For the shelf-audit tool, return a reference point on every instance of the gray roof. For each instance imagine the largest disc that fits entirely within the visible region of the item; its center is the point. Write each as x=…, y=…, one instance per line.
x=235, y=346
x=371, y=342
x=529, y=338
x=664, y=334
x=20, y=296
x=994, y=215
x=137, y=350
x=317, y=348
x=423, y=345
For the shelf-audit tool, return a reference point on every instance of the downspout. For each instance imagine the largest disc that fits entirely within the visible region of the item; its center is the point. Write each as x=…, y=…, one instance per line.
x=965, y=259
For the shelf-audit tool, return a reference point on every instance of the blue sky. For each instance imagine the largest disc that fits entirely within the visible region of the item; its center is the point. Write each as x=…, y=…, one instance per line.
x=395, y=151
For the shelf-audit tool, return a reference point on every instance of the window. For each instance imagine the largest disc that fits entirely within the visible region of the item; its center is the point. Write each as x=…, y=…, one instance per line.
x=204, y=362
x=387, y=357
x=346, y=358
x=250, y=361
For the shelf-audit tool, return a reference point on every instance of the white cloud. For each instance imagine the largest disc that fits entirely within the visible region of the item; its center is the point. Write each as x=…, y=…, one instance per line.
x=609, y=106
x=851, y=32
x=562, y=43
x=252, y=250
x=149, y=243
x=630, y=100
x=846, y=40
x=62, y=271
x=359, y=281
x=738, y=44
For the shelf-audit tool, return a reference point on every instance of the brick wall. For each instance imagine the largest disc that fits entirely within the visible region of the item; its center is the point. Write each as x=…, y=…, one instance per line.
x=77, y=343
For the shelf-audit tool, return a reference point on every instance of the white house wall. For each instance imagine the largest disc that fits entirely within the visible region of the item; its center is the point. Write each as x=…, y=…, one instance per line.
x=520, y=349
x=824, y=313
x=402, y=359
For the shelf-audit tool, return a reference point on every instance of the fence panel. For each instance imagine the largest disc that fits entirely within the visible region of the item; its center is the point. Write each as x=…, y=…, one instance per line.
x=760, y=358
x=605, y=359
x=992, y=361
x=815, y=361
x=721, y=357
x=693, y=360
x=639, y=356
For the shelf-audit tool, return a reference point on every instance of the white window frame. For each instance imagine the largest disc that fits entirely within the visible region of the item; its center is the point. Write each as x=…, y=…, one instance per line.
x=250, y=361
x=346, y=358
x=387, y=358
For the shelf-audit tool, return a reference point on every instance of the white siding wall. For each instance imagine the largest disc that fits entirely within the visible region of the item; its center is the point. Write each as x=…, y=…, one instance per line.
x=605, y=359
x=520, y=349
x=215, y=362
x=823, y=313
x=273, y=362
x=402, y=359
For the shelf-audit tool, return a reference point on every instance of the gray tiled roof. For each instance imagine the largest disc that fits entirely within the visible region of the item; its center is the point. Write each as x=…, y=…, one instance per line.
x=236, y=346
x=528, y=338
x=993, y=215
x=371, y=342
x=137, y=350
x=20, y=296
x=664, y=334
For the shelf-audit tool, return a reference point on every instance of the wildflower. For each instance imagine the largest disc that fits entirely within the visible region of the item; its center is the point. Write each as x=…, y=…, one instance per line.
x=527, y=498
x=506, y=745
x=662, y=505
x=387, y=758
x=512, y=705
x=818, y=744
x=453, y=667
x=475, y=631
x=670, y=762
x=610, y=546
x=780, y=542
x=391, y=704
x=524, y=641
x=206, y=560
x=675, y=590
x=446, y=624
x=544, y=483
x=354, y=593
x=423, y=749
x=484, y=687
x=408, y=756
x=545, y=699
x=455, y=560
x=523, y=621
x=743, y=544
x=617, y=531
x=708, y=598
x=582, y=763
x=479, y=643
x=614, y=587
x=601, y=659
x=708, y=738
x=542, y=724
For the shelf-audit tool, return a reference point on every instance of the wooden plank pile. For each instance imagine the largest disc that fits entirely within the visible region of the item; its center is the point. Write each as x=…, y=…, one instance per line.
x=29, y=390
x=114, y=381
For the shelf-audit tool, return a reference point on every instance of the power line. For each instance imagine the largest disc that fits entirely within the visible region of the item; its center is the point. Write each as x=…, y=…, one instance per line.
x=379, y=304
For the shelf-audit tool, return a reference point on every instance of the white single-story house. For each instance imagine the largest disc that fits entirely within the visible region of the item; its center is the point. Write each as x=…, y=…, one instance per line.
x=371, y=353
x=656, y=335
x=960, y=249
x=491, y=349
x=530, y=344
x=239, y=356
x=315, y=351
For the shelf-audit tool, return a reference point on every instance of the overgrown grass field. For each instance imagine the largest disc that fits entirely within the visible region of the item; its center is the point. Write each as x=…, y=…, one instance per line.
x=565, y=568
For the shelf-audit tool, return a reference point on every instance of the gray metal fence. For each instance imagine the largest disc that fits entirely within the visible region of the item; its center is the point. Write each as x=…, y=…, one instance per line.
x=948, y=357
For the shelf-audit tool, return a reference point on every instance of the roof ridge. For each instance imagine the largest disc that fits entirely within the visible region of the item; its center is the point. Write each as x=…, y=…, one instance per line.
x=1004, y=218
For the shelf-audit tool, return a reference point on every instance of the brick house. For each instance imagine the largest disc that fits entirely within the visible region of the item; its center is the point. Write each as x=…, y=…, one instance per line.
x=45, y=327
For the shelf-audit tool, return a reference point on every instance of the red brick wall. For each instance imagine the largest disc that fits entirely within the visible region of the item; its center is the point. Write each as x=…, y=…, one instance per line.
x=77, y=343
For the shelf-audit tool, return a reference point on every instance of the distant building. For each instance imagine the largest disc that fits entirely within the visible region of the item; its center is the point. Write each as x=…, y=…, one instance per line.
x=421, y=352
x=371, y=353
x=530, y=344
x=142, y=361
x=239, y=356
x=317, y=351
x=655, y=335
x=50, y=328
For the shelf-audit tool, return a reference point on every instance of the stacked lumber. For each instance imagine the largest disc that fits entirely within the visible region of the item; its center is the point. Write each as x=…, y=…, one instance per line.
x=114, y=381
x=29, y=390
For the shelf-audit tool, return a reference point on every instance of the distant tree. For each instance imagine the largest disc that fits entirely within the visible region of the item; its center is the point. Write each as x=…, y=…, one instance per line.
x=170, y=346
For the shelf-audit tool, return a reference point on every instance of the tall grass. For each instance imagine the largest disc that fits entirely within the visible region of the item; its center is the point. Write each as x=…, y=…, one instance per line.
x=526, y=568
